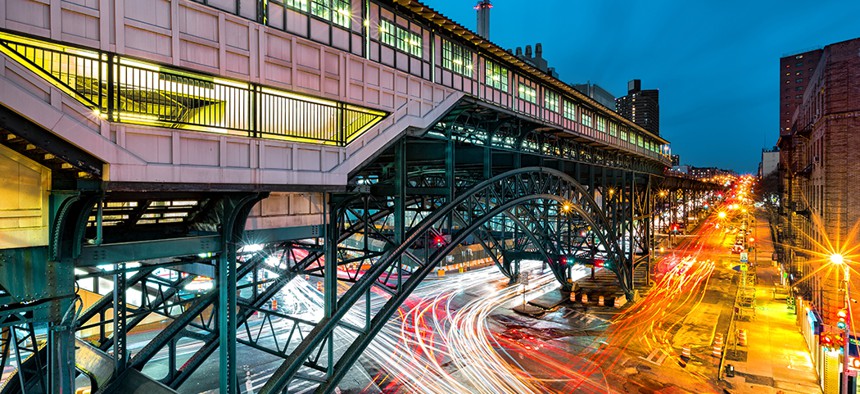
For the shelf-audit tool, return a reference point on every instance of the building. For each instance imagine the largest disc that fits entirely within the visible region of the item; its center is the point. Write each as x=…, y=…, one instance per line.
x=769, y=161
x=794, y=73
x=640, y=106
x=536, y=60
x=709, y=172
x=676, y=160
x=820, y=197
x=596, y=92
x=685, y=169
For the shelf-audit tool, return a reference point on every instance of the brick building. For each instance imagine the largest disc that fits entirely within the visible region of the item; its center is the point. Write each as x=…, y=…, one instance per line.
x=819, y=163
x=795, y=71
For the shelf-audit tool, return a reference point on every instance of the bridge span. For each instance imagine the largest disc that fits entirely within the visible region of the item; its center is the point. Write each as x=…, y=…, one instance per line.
x=149, y=145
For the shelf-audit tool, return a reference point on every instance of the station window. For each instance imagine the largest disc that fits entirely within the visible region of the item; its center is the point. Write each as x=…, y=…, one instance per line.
x=623, y=135
x=569, y=110
x=335, y=11
x=527, y=93
x=456, y=58
x=613, y=129
x=550, y=100
x=400, y=38
x=586, y=119
x=601, y=124
x=497, y=76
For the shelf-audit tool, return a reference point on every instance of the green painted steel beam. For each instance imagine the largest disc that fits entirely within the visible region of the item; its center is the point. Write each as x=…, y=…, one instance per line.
x=263, y=236
x=93, y=255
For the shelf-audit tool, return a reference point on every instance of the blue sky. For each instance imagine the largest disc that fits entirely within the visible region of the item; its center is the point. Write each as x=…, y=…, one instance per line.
x=716, y=63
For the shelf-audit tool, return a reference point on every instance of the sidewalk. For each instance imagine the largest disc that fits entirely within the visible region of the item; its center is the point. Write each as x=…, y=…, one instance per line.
x=776, y=359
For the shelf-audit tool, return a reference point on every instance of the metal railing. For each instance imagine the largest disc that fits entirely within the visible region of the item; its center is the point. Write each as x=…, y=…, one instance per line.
x=125, y=90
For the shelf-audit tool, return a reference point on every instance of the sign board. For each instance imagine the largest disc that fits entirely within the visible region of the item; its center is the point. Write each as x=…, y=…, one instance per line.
x=744, y=268
x=744, y=257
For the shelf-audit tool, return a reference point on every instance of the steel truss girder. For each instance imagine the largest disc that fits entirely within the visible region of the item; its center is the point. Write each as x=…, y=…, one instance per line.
x=471, y=209
x=479, y=124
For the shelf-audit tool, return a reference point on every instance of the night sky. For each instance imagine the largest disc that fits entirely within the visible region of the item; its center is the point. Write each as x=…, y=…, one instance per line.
x=715, y=63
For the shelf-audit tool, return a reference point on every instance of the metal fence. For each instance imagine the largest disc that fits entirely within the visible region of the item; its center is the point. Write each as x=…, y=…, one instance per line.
x=125, y=90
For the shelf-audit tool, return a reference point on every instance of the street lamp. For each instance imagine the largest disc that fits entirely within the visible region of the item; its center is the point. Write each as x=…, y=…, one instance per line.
x=838, y=259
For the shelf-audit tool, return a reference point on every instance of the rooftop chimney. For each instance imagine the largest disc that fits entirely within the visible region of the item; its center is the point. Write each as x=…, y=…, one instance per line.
x=483, y=8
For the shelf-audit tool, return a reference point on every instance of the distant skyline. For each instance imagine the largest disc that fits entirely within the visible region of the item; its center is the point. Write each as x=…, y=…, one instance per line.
x=716, y=64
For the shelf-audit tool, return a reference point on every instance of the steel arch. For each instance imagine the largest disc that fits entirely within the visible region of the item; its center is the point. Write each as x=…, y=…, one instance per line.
x=482, y=202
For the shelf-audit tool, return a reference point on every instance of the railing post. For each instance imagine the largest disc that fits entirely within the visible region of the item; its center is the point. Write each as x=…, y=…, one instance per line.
x=110, y=86
x=341, y=124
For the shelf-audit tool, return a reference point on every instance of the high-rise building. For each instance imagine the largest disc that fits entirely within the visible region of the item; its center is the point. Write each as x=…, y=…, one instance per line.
x=794, y=73
x=820, y=196
x=596, y=92
x=640, y=106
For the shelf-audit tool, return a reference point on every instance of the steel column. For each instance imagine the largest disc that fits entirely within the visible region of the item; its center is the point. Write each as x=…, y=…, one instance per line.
x=236, y=209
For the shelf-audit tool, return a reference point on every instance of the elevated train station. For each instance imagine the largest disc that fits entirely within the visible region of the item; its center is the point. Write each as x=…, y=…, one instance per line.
x=146, y=145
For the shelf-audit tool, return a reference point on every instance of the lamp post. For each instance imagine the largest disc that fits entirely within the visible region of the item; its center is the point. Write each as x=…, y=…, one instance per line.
x=837, y=259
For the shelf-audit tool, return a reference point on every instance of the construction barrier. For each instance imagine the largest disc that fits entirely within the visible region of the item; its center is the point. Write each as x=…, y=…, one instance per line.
x=584, y=298
x=718, y=351
x=600, y=300
x=440, y=272
x=742, y=337
x=685, y=352
x=718, y=340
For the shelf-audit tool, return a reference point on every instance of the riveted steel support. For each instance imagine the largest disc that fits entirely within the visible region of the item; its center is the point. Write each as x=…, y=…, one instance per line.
x=120, y=354
x=236, y=209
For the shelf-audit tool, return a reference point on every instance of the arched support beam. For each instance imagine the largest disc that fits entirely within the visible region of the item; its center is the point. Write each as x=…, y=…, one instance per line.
x=484, y=201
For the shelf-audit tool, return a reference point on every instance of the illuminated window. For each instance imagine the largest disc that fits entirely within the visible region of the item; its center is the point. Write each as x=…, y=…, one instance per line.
x=550, y=101
x=601, y=124
x=586, y=119
x=497, y=76
x=527, y=93
x=301, y=5
x=569, y=110
x=400, y=38
x=623, y=135
x=335, y=11
x=613, y=129
x=456, y=58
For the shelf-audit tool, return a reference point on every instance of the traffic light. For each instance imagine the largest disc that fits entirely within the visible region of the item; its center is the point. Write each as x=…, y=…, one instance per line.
x=825, y=339
x=841, y=323
x=562, y=260
x=674, y=227
x=439, y=241
x=599, y=263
